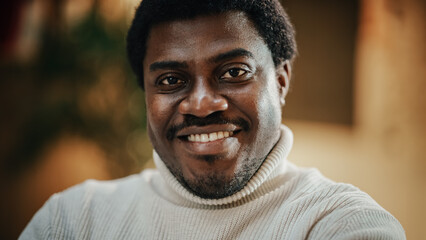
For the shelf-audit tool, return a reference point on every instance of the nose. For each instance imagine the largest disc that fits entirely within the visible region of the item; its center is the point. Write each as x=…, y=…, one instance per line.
x=202, y=100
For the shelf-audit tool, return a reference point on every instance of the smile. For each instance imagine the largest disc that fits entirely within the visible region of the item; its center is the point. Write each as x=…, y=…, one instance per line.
x=209, y=137
x=213, y=140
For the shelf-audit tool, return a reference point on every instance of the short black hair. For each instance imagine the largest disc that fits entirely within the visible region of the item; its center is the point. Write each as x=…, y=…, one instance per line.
x=268, y=16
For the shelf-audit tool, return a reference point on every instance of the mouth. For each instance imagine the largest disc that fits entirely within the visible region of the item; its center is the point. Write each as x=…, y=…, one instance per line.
x=210, y=140
x=207, y=134
x=209, y=137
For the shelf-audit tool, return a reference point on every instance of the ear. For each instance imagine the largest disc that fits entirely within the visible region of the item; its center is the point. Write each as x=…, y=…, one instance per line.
x=283, y=73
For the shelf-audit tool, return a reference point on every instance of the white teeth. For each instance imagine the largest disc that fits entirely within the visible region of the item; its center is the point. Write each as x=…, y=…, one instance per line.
x=209, y=137
x=213, y=136
x=204, y=137
x=220, y=135
x=191, y=137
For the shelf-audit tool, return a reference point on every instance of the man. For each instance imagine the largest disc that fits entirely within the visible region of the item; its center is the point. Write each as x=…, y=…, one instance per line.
x=215, y=75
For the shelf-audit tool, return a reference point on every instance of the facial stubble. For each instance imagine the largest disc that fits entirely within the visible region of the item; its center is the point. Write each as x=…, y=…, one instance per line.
x=215, y=185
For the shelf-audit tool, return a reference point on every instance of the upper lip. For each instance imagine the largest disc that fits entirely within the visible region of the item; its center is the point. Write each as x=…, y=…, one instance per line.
x=207, y=129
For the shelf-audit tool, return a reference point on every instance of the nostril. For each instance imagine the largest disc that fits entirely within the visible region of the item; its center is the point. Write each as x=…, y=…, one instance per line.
x=203, y=106
x=221, y=104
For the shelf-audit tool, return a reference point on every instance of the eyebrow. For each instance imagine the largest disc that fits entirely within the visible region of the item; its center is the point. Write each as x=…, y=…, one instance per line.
x=238, y=52
x=167, y=65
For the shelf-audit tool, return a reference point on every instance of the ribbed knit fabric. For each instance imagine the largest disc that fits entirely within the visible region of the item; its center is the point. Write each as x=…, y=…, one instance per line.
x=281, y=201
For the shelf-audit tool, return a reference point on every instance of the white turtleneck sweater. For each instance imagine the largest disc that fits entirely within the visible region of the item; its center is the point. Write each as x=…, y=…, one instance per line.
x=281, y=201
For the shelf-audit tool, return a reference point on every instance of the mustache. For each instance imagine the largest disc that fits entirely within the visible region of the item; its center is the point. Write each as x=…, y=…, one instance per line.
x=214, y=118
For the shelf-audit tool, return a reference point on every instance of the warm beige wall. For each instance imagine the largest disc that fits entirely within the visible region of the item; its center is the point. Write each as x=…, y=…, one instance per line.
x=384, y=152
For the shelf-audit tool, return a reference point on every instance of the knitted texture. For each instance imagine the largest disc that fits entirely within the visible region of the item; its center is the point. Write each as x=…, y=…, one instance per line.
x=281, y=201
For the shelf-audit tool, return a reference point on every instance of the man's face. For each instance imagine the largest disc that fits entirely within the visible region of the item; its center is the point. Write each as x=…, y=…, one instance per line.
x=213, y=101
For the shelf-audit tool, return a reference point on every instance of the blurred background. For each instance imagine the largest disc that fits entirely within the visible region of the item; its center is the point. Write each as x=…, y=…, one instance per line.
x=70, y=107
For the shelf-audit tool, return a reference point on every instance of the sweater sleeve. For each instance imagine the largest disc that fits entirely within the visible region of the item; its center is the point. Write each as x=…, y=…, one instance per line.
x=358, y=224
x=40, y=225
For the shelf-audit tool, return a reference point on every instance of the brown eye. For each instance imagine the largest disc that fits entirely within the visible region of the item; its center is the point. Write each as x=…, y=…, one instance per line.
x=234, y=72
x=171, y=81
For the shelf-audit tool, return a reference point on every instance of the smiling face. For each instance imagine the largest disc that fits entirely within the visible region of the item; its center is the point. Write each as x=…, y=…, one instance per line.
x=213, y=100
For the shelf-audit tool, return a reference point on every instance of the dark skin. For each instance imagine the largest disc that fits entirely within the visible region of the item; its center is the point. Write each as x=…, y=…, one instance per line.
x=214, y=99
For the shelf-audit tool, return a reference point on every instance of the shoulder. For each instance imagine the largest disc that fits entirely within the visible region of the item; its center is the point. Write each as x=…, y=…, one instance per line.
x=342, y=211
x=91, y=201
x=110, y=187
x=309, y=183
x=93, y=191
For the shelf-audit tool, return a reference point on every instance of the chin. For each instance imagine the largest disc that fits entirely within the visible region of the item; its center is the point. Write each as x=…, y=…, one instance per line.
x=215, y=186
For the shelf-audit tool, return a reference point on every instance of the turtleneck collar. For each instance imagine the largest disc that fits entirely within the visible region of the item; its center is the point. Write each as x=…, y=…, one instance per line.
x=274, y=164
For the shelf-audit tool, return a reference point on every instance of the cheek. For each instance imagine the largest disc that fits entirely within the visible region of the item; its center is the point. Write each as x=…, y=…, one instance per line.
x=269, y=105
x=262, y=105
x=157, y=114
x=269, y=111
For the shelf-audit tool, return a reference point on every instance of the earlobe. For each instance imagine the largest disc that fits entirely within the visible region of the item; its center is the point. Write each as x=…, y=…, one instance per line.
x=283, y=77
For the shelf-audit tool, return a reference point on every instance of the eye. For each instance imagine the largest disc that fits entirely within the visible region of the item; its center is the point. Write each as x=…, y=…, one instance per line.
x=170, y=80
x=233, y=73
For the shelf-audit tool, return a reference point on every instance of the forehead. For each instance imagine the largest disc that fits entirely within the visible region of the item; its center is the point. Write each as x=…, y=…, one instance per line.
x=202, y=37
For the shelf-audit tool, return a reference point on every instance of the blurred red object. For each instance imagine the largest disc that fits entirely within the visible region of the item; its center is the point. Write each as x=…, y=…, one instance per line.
x=10, y=19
